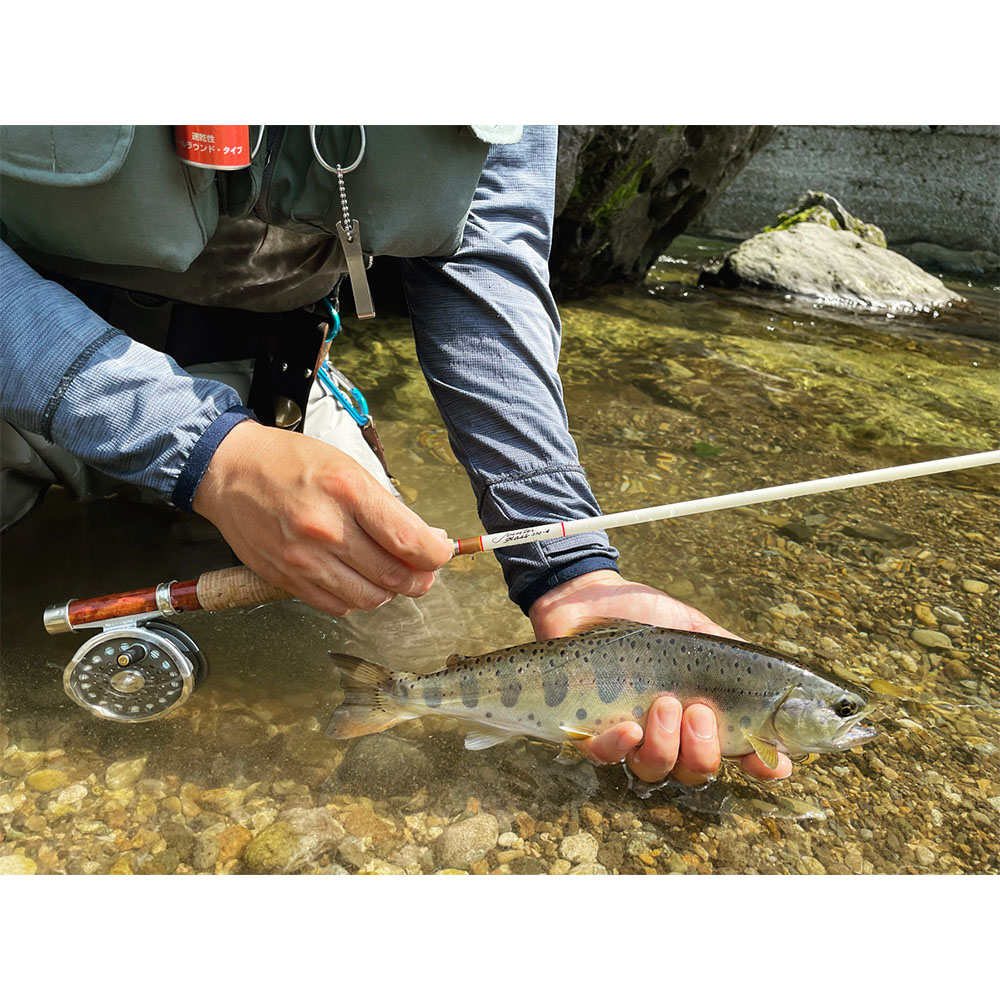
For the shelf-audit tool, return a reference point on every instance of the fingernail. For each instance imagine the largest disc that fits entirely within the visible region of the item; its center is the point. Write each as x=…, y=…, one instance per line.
x=669, y=716
x=703, y=724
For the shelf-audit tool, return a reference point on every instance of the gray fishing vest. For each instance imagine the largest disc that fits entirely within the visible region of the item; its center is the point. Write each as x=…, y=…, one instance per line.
x=120, y=195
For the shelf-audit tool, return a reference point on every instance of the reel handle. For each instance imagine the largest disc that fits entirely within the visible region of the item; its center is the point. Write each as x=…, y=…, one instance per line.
x=216, y=590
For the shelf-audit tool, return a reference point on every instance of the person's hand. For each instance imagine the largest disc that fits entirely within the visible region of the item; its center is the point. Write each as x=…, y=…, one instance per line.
x=308, y=518
x=684, y=744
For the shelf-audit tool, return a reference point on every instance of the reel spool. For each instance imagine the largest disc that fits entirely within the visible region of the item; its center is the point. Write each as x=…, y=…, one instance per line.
x=135, y=672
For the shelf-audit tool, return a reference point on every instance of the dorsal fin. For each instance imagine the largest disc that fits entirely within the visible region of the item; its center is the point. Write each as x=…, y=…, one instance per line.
x=592, y=626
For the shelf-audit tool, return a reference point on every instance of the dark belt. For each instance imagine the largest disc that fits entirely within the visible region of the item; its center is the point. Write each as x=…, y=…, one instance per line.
x=286, y=348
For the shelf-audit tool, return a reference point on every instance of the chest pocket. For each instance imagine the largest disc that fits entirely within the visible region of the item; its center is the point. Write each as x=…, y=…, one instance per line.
x=410, y=194
x=111, y=194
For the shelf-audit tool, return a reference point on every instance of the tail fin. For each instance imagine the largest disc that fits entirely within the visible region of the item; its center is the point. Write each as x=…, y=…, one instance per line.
x=367, y=706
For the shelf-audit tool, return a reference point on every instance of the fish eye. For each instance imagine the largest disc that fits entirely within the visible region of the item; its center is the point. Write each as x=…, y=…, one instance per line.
x=845, y=707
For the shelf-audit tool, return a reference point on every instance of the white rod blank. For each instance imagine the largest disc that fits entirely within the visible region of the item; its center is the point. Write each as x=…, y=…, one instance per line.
x=558, y=529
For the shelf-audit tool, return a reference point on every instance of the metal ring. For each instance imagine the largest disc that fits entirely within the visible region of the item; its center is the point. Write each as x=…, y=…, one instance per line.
x=260, y=139
x=163, y=602
x=56, y=618
x=324, y=164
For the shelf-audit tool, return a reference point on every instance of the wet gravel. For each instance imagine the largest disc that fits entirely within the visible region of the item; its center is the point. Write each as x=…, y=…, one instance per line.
x=894, y=587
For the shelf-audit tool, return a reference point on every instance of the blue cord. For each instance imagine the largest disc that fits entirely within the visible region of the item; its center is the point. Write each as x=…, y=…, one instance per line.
x=358, y=409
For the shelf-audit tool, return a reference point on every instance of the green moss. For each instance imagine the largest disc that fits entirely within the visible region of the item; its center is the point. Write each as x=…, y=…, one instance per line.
x=814, y=214
x=623, y=195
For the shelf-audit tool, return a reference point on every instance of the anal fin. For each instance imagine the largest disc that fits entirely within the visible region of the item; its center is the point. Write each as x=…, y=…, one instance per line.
x=484, y=737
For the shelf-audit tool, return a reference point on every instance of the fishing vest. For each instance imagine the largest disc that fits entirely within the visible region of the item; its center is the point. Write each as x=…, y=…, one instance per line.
x=120, y=195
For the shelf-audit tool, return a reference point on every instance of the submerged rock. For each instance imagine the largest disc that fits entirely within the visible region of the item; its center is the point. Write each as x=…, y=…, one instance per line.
x=290, y=843
x=384, y=765
x=818, y=249
x=467, y=841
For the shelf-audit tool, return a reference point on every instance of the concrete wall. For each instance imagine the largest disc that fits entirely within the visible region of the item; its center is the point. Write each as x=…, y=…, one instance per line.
x=932, y=183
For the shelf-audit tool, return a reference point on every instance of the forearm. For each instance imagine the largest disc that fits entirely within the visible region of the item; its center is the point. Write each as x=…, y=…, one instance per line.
x=487, y=333
x=120, y=407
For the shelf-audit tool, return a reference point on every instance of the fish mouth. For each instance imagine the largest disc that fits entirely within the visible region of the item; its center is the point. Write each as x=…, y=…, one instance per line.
x=856, y=735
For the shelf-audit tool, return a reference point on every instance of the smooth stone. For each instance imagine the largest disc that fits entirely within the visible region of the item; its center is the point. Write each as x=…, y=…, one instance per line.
x=580, y=849
x=467, y=841
x=924, y=615
x=384, y=765
x=206, y=850
x=17, y=864
x=164, y=863
x=46, y=780
x=221, y=800
x=931, y=639
x=975, y=586
x=948, y=615
x=124, y=773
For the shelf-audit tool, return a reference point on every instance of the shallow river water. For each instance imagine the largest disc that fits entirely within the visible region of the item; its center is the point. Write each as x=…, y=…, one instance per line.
x=674, y=392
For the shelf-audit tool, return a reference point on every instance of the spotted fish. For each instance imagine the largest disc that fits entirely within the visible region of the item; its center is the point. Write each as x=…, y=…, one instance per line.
x=605, y=672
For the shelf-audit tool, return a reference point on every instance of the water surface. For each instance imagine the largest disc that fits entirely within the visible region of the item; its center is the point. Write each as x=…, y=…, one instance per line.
x=673, y=392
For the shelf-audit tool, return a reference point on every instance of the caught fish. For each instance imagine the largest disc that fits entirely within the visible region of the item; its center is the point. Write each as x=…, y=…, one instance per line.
x=605, y=672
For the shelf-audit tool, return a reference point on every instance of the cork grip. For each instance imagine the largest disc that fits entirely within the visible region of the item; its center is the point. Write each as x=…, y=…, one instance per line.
x=236, y=587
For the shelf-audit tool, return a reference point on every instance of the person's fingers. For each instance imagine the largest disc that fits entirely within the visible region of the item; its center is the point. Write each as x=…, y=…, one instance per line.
x=655, y=757
x=700, y=755
x=613, y=744
x=380, y=568
x=399, y=531
x=756, y=768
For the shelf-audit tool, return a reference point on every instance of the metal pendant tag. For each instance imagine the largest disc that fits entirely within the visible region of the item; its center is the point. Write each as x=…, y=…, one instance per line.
x=350, y=243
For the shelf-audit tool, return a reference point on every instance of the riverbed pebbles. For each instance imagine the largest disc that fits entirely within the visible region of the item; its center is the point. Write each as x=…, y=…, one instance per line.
x=877, y=587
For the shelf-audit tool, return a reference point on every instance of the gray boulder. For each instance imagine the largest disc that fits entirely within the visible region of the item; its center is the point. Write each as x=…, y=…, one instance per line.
x=819, y=250
x=623, y=192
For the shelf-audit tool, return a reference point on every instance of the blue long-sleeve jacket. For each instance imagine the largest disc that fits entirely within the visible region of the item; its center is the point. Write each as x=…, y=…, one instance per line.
x=487, y=334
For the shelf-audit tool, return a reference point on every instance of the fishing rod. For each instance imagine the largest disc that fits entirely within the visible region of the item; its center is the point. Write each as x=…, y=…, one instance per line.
x=559, y=529
x=141, y=666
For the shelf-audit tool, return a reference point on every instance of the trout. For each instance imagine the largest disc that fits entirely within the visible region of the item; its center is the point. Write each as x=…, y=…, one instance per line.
x=603, y=673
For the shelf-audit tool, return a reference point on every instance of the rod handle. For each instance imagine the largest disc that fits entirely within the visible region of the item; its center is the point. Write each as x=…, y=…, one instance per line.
x=236, y=587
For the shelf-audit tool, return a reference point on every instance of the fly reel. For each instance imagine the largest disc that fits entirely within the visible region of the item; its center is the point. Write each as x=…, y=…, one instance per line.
x=135, y=672
x=140, y=667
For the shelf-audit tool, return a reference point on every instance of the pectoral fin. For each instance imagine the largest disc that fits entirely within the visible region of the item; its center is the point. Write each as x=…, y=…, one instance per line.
x=575, y=733
x=767, y=752
x=483, y=737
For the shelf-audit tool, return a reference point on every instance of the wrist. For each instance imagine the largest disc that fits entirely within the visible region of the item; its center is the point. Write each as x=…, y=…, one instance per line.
x=219, y=450
x=555, y=600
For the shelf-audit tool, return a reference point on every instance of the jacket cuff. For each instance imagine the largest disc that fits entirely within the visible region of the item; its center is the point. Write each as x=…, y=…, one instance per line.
x=543, y=584
x=201, y=454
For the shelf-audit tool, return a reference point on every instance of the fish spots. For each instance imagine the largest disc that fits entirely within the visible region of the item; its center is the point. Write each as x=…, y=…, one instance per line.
x=745, y=721
x=637, y=711
x=610, y=682
x=468, y=685
x=640, y=683
x=731, y=729
x=433, y=693
x=531, y=716
x=509, y=694
x=555, y=685
x=581, y=713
